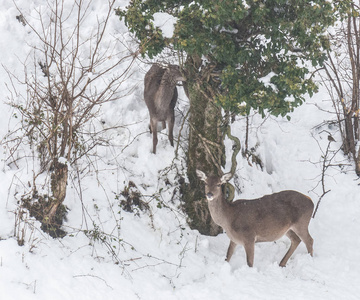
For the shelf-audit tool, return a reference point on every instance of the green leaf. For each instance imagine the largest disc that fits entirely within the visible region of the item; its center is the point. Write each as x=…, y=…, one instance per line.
x=243, y=44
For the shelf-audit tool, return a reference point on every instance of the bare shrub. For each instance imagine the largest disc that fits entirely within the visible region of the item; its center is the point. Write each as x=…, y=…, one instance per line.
x=71, y=73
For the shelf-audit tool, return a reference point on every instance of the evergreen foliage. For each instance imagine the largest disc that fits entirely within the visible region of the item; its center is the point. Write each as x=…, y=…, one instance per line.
x=260, y=52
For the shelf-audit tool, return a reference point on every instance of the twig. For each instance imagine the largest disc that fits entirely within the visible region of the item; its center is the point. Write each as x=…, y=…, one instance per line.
x=236, y=149
x=94, y=276
x=180, y=131
x=207, y=142
x=325, y=165
x=318, y=203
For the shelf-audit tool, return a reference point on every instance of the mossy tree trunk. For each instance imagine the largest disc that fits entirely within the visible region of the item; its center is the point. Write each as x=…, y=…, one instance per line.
x=205, y=149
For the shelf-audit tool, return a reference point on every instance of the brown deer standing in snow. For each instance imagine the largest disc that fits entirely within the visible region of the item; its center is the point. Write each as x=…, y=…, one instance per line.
x=260, y=220
x=160, y=95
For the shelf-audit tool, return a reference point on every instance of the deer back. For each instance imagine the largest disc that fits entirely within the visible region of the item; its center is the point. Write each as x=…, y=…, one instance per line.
x=269, y=217
x=152, y=83
x=160, y=91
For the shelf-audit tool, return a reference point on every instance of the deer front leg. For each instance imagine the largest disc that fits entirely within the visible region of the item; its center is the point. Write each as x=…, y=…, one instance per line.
x=230, y=250
x=249, y=250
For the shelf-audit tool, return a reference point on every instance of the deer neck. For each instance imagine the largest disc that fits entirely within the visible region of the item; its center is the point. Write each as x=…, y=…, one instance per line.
x=220, y=211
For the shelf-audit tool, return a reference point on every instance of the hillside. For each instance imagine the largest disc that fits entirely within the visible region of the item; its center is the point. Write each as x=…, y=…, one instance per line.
x=111, y=253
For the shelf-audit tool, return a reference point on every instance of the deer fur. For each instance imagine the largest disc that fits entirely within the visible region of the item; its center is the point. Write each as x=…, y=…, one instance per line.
x=266, y=219
x=160, y=96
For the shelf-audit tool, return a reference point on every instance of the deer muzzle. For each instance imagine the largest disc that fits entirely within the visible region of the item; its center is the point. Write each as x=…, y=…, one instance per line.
x=210, y=196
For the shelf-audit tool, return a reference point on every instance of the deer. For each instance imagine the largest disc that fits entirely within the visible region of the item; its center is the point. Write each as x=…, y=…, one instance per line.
x=265, y=219
x=160, y=94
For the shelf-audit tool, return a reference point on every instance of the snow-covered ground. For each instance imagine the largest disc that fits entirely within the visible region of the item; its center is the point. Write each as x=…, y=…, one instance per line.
x=156, y=255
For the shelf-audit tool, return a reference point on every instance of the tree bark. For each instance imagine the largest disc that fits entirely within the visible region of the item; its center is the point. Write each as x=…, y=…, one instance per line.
x=205, y=149
x=58, y=187
x=357, y=164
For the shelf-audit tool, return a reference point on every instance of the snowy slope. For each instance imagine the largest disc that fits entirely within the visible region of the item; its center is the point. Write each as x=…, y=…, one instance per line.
x=156, y=256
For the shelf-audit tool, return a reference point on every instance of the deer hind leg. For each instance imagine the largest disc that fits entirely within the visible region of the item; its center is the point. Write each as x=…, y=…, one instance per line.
x=305, y=236
x=230, y=250
x=153, y=129
x=171, y=121
x=295, y=241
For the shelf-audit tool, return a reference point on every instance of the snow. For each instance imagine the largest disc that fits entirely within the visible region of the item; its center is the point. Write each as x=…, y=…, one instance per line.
x=166, y=23
x=156, y=255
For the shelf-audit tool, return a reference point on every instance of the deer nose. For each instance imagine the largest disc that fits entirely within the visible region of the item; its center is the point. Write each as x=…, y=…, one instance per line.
x=210, y=196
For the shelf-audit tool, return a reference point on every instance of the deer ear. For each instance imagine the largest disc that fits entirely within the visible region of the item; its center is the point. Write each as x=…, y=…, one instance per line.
x=225, y=178
x=201, y=175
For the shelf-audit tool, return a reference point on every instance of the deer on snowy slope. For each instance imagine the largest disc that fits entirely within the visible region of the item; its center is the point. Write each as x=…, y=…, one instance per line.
x=160, y=96
x=260, y=220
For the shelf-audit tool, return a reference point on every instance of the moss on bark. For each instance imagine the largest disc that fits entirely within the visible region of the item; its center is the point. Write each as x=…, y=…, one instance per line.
x=205, y=150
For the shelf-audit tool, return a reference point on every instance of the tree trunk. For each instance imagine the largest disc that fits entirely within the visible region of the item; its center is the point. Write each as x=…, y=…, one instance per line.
x=58, y=188
x=349, y=142
x=205, y=149
x=357, y=164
